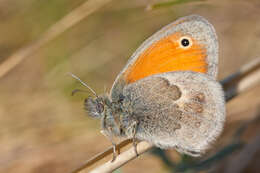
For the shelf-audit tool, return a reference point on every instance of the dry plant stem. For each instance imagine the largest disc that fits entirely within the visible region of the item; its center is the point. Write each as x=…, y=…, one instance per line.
x=66, y=22
x=100, y=156
x=244, y=81
x=123, y=158
x=250, y=81
x=247, y=77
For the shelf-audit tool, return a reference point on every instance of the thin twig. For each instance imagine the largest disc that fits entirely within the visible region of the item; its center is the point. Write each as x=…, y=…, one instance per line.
x=123, y=158
x=58, y=28
x=100, y=156
x=168, y=3
x=243, y=82
x=247, y=77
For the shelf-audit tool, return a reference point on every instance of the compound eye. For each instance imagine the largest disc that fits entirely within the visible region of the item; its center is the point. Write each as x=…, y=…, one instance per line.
x=121, y=98
x=185, y=42
x=100, y=107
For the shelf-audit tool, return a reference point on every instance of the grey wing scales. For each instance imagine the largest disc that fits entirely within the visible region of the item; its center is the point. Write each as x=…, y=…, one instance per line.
x=182, y=110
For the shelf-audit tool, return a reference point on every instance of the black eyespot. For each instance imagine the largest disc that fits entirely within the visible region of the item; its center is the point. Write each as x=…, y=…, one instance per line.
x=185, y=42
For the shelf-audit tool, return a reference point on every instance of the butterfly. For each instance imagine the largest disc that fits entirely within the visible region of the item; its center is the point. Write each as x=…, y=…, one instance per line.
x=167, y=93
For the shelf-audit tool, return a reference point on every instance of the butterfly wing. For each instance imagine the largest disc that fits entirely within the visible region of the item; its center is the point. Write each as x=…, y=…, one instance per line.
x=164, y=52
x=183, y=109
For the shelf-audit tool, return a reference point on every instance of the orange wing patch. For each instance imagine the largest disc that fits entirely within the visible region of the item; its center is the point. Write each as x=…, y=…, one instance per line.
x=168, y=55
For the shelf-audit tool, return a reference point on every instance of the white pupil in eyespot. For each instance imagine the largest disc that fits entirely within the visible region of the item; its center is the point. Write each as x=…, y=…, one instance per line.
x=185, y=42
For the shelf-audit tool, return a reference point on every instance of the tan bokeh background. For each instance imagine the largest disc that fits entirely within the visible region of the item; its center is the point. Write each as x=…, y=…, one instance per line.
x=44, y=129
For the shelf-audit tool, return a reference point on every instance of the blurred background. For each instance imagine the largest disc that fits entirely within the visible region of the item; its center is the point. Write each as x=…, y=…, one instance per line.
x=44, y=129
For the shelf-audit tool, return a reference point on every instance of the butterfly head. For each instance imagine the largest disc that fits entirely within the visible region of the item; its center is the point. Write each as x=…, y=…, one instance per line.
x=95, y=106
x=113, y=115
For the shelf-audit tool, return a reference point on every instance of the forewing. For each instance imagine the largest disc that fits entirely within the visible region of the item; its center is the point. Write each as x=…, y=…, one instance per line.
x=184, y=110
x=162, y=52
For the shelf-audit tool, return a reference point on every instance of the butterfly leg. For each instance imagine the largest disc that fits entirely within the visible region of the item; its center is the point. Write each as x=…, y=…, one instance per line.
x=133, y=132
x=110, y=138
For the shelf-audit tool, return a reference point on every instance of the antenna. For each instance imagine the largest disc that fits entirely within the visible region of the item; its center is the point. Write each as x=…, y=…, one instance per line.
x=83, y=83
x=76, y=91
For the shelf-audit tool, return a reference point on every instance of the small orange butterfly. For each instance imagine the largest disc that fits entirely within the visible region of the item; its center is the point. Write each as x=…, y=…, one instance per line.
x=167, y=93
